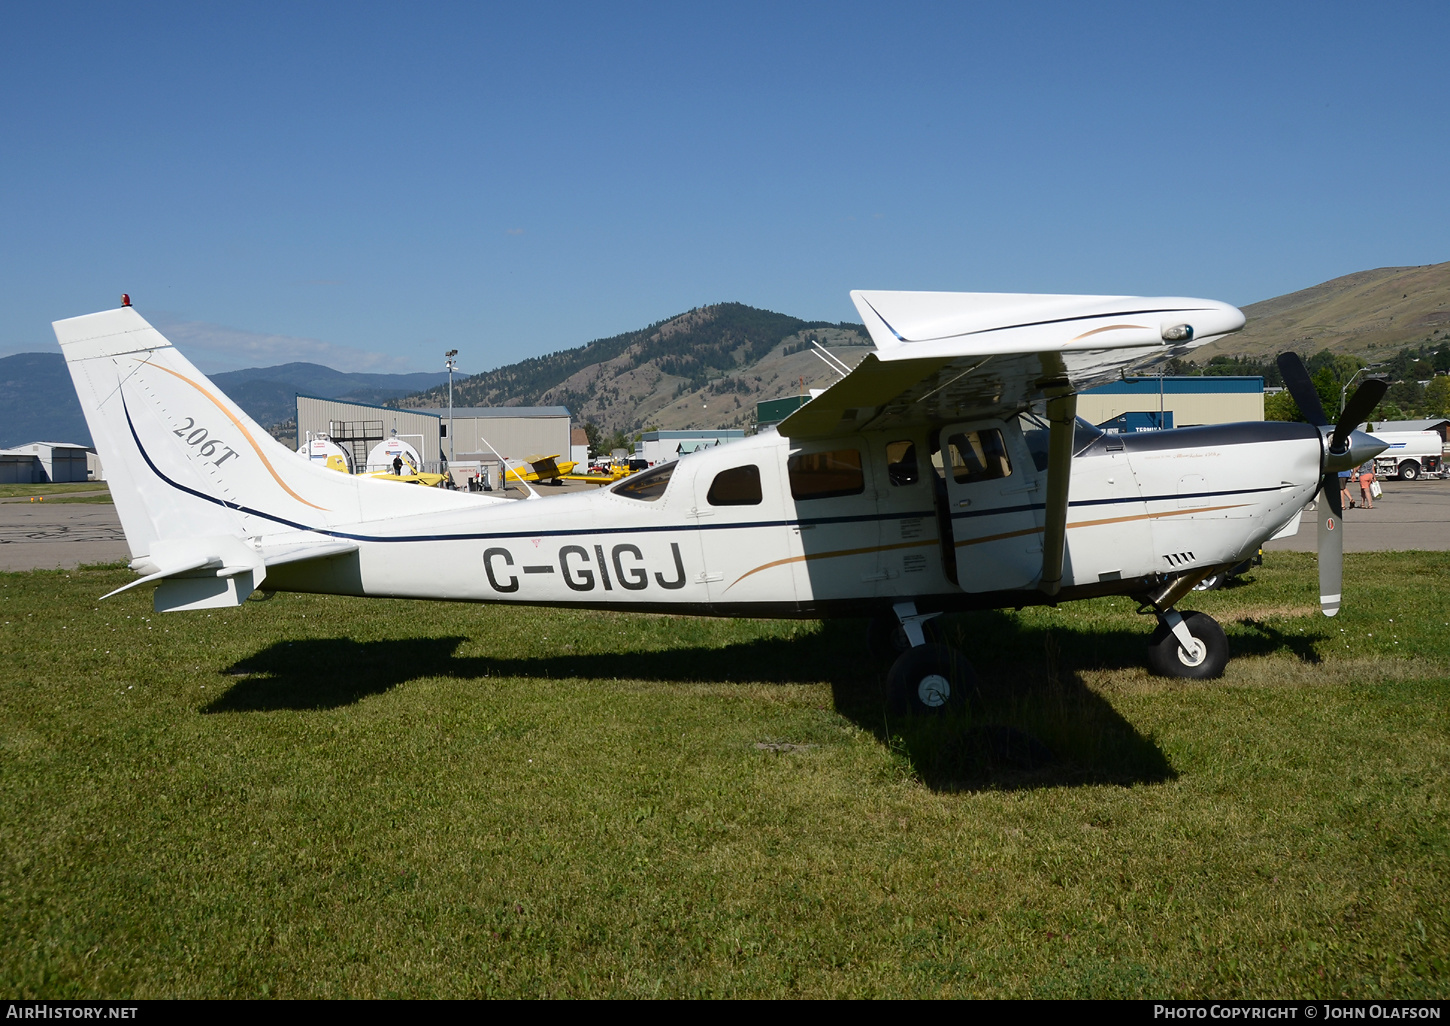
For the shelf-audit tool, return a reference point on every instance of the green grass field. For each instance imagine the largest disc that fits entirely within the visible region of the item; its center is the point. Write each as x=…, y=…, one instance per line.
x=330, y=797
x=94, y=491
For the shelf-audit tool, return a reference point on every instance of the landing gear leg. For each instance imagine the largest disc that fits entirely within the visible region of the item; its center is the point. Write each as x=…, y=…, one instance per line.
x=1188, y=645
x=888, y=636
x=929, y=677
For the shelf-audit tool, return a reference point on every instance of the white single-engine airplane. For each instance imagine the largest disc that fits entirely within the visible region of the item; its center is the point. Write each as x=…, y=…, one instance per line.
x=947, y=471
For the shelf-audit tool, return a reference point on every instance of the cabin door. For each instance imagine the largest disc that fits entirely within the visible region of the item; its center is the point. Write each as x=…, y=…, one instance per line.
x=995, y=500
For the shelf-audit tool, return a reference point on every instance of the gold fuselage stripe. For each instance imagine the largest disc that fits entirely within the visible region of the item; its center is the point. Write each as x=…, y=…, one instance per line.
x=977, y=541
x=245, y=434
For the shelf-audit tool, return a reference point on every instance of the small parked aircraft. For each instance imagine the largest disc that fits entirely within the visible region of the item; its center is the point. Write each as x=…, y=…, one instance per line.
x=541, y=469
x=945, y=471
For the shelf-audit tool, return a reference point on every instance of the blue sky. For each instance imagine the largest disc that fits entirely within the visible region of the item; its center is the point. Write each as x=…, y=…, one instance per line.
x=368, y=185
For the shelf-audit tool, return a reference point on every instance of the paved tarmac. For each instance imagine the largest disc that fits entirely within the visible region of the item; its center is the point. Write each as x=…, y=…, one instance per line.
x=50, y=535
x=63, y=535
x=1410, y=515
x=45, y=535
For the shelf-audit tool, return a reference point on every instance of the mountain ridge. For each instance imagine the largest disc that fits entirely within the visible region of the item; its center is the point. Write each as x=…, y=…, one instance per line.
x=669, y=374
x=38, y=401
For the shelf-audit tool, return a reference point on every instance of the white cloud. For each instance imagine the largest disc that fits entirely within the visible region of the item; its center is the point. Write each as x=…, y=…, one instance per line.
x=216, y=347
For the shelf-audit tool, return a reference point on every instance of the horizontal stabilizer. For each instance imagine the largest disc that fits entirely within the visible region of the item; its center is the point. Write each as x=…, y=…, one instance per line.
x=208, y=573
x=276, y=551
x=170, y=571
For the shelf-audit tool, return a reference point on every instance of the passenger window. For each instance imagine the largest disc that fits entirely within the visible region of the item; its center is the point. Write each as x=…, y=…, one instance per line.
x=901, y=463
x=648, y=486
x=978, y=456
x=738, y=486
x=821, y=475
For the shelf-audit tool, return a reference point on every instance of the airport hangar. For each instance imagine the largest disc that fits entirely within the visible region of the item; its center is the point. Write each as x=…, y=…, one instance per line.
x=480, y=434
x=48, y=463
x=1132, y=404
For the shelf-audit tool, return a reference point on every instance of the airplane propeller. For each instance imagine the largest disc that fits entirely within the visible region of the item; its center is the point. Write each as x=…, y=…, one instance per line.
x=1344, y=448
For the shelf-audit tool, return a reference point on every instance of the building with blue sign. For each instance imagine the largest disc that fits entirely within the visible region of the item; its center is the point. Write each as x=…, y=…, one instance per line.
x=1155, y=403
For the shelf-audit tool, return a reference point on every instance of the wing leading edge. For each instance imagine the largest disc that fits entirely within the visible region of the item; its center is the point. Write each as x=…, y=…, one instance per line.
x=960, y=355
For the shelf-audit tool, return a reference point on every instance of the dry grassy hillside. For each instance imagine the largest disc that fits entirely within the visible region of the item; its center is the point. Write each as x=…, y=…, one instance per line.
x=1360, y=313
x=706, y=368
x=643, y=397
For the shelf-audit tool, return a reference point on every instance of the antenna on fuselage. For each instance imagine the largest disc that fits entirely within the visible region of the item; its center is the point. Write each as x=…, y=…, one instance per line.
x=505, y=461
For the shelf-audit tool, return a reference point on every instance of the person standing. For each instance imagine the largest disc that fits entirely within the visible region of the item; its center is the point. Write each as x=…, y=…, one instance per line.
x=1366, y=485
x=1345, y=502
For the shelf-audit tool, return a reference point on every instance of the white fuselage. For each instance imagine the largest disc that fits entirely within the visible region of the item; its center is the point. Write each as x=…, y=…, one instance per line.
x=813, y=530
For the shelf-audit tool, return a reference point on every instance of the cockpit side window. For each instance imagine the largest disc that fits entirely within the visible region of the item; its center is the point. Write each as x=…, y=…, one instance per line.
x=901, y=466
x=648, y=486
x=738, y=486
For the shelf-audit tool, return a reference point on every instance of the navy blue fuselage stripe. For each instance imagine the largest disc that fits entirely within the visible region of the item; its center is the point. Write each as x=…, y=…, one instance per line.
x=202, y=495
x=1035, y=324
x=643, y=529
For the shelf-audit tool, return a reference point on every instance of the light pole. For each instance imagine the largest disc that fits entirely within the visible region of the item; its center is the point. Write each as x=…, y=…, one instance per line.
x=451, y=364
x=1345, y=389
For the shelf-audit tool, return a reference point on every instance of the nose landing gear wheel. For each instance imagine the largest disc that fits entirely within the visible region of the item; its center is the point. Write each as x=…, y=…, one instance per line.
x=1167, y=656
x=930, y=679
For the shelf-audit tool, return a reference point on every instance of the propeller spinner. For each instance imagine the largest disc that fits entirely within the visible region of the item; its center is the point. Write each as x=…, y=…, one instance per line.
x=1344, y=448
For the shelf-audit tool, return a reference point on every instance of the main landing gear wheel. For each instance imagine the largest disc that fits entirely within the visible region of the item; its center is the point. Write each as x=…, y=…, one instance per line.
x=930, y=679
x=1209, y=654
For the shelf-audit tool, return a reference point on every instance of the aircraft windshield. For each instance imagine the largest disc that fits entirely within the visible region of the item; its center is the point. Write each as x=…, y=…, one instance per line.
x=648, y=486
x=1035, y=432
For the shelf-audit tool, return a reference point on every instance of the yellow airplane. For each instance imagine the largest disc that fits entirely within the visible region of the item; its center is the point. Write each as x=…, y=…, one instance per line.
x=541, y=469
x=418, y=477
x=614, y=473
x=413, y=476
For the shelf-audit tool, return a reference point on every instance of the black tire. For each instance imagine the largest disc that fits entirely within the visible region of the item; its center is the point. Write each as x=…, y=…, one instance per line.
x=886, y=639
x=1212, y=582
x=1409, y=470
x=1166, y=657
x=930, y=680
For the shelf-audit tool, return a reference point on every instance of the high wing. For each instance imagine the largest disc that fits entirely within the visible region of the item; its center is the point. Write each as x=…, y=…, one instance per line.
x=943, y=356
x=960, y=356
x=544, y=466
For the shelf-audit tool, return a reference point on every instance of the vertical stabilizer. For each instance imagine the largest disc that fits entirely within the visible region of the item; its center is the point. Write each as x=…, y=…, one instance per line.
x=200, y=487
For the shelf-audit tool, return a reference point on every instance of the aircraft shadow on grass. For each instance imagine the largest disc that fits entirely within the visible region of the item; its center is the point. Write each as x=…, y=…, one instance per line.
x=1032, y=723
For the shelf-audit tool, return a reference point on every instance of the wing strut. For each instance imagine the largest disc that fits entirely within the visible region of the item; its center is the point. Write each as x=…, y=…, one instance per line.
x=1062, y=416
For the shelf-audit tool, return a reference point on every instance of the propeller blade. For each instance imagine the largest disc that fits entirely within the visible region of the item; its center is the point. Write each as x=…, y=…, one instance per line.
x=1333, y=493
x=1296, y=380
x=1331, y=546
x=1357, y=410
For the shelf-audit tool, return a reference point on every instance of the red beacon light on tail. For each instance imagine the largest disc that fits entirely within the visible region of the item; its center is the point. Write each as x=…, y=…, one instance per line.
x=125, y=299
